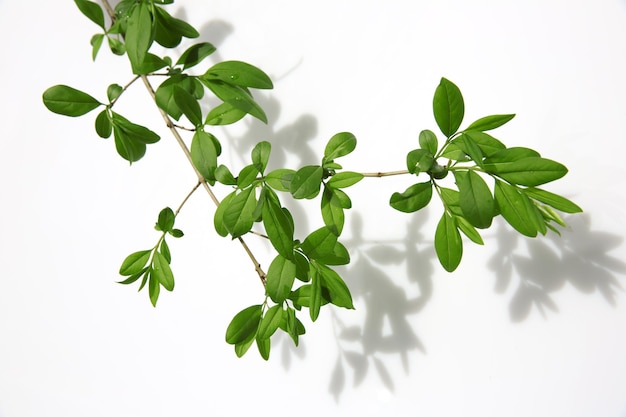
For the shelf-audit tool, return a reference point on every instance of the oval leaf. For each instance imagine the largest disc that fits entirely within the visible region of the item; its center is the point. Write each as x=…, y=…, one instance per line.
x=68, y=101
x=448, y=107
x=490, y=122
x=475, y=199
x=448, y=244
x=306, y=182
x=280, y=277
x=244, y=325
x=414, y=198
x=134, y=263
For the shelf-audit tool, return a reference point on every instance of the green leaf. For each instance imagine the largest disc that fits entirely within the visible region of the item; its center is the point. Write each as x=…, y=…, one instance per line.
x=170, y=30
x=475, y=199
x=530, y=171
x=135, y=262
x=162, y=272
x=68, y=101
x=319, y=243
x=488, y=144
x=419, y=160
x=428, y=141
x=334, y=288
x=278, y=227
x=264, y=346
x=280, y=179
x=136, y=132
x=291, y=325
x=133, y=277
x=302, y=267
x=96, y=44
x=164, y=248
x=516, y=208
x=238, y=217
x=236, y=96
x=338, y=256
x=452, y=151
x=344, y=179
x=416, y=197
x=471, y=148
x=243, y=327
x=316, y=299
x=280, y=277
x=166, y=220
x=224, y=176
x=239, y=73
x=177, y=233
x=224, y=114
x=306, y=182
x=195, y=54
x=138, y=35
x=332, y=211
x=261, y=155
x=270, y=322
x=154, y=288
x=468, y=230
x=128, y=148
x=242, y=348
x=188, y=104
x=511, y=155
x=448, y=107
x=218, y=217
x=490, y=122
x=165, y=98
x=448, y=244
x=116, y=46
x=104, y=127
x=114, y=91
x=340, y=144
x=553, y=200
x=247, y=175
x=92, y=10
x=204, y=154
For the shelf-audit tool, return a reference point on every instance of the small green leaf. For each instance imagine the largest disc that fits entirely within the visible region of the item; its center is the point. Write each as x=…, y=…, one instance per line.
x=96, y=44
x=242, y=348
x=488, y=144
x=316, y=300
x=302, y=267
x=553, y=200
x=416, y=197
x=471, y=148
x=344, y=179
x=243, y=327
x=332, y=211
x=116, y=46
x=511, y=155
x=490, y=122
x=247, y=175
x=138, y=35
x=224, y=114
x=136, y=132
x=530, y=171
x=278, y=227
x=204, y=154
x=338, y=256
x=339, y=145
x=419, y=160
x=261, y=155
x=475, y=198
x=135, y=262
x=177, y=233
x=516, y=208
x=162, y=272
x=238, y=217
x=134, y=277
x=270, y=322
x=448, y=244
x=68, y=101
x=195, y=54
x=92, y=10
x=334, y=288
x=239, y=73
x=188, y=104
x=448, y=107
x=236, y=96
x=164, y=248
x=319, y=243
x=104, y=127
x=280, y=277
x=469, y=230
x=166, y=220
x=165, y=97
x=154, y=288
x=306, y=182
x=428, y=141
x=280, y=179
x=114, y=91
x=264, y=346
x=224, y=176
x=218, y=217
x=128, y=148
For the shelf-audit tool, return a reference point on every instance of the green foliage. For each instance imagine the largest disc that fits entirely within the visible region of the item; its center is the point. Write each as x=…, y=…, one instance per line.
x=488, y=178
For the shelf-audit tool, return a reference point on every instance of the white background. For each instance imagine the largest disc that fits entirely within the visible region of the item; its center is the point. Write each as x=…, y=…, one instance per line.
x=523, y=327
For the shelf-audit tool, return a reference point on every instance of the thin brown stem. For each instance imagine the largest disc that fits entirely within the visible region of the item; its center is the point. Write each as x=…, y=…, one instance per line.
x=193, y=190
x=384, y=174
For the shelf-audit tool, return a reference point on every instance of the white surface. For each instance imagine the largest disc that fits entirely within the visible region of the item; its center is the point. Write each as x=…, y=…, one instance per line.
x=524, y=327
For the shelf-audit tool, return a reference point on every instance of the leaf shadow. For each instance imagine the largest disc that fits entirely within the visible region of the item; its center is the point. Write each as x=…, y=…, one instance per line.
x=389, y=307
x=582, y=257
